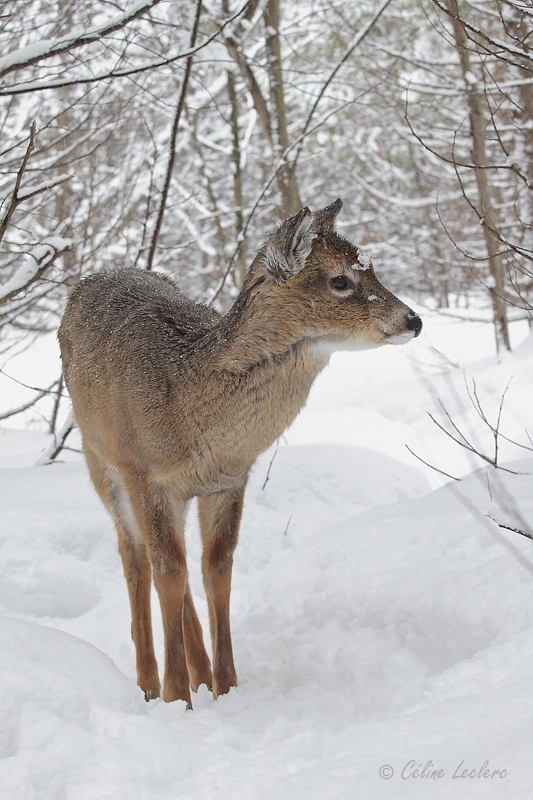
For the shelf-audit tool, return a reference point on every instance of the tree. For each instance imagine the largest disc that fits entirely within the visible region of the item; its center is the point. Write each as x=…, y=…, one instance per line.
x=184, y=149
x=490, y=144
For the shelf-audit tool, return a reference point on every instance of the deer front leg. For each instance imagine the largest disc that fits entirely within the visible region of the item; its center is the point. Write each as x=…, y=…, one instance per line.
x=137, y=572
x=198, y=663
x=220, y=517
x=170, y=580
x=162, y=523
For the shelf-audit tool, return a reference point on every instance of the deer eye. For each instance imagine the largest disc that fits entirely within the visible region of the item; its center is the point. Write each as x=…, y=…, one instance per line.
x=340, y=282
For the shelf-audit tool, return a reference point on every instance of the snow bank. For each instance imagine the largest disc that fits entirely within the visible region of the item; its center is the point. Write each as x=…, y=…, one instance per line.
x=400, y=634
x=60, y=694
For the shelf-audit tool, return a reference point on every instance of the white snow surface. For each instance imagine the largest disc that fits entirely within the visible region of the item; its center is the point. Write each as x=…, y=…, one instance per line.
x=380, y=629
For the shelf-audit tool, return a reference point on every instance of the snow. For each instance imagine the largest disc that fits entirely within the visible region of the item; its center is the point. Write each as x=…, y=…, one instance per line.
x=364, y=259
x=382, y=631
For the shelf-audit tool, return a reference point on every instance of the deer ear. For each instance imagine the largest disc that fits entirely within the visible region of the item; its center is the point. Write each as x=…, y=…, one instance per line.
x=289, y=246
x=324, y=220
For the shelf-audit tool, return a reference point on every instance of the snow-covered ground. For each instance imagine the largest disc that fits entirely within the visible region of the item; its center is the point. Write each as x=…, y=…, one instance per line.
x=382, y=631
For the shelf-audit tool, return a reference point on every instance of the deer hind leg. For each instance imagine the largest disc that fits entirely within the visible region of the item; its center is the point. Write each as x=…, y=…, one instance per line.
x=137, y=570
x=220, y=517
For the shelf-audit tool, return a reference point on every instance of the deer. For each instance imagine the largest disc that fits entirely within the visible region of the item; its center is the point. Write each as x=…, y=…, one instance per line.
x=176, y=401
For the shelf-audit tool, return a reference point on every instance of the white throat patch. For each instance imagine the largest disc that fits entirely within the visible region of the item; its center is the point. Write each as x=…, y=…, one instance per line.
x=324, y=348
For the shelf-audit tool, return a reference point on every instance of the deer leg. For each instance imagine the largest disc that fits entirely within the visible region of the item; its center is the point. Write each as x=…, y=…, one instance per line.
x=170, y=581
x=220, y=516
x=162, y=524
x=198, y=663
x=137, y=572
x=136, y=567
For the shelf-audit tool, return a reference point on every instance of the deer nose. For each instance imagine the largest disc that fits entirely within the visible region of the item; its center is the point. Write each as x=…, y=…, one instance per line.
x=414, y=323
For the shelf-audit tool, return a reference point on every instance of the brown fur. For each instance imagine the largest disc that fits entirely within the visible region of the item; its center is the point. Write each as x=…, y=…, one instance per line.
x=174, y=401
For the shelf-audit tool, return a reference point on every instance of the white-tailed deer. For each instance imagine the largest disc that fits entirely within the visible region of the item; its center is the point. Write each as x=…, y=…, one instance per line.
x=175, y=401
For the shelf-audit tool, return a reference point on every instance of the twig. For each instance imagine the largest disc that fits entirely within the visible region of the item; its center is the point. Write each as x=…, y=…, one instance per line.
x=27, y=385
x=461, y=439
x=26, y=276
x=57, y=401
x=447, y=474
x=269, y=468
x=51, y=453
x=14, y=197
x=25, y=406
x=510, y=528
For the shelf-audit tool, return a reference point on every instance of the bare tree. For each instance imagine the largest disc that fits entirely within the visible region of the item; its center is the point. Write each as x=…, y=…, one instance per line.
x=495, y=147
x=38, y=259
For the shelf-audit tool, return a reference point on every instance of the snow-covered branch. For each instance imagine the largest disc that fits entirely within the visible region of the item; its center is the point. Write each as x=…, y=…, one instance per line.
x=518, y=56
x=39, y=260
x=43, y=85
x=18, y=195
x=47, y=48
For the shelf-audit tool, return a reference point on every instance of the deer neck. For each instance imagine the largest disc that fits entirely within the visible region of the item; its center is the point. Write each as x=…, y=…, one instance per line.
x=257, y=332
x=257, y=358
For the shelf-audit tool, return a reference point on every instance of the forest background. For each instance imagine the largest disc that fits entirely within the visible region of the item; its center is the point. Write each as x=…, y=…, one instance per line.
x=172, y=135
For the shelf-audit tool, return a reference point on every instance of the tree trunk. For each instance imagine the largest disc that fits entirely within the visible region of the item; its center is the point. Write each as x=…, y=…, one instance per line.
x=479, y=157
x=519, y=27
x=287, y=183
x=240, y=259
x=240, y=262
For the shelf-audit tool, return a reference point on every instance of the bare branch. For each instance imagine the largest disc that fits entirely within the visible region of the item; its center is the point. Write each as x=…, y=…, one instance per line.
x=14, y=411
x=513, y=55
x=57, y=401
x=356, y=41
x=527, y=534
x=14, y=197
x=173, y=137
x=44, y=256
x=441, y=471
x=269, y=468
x=52, y=452
x=254, y=89
x=460, y=438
